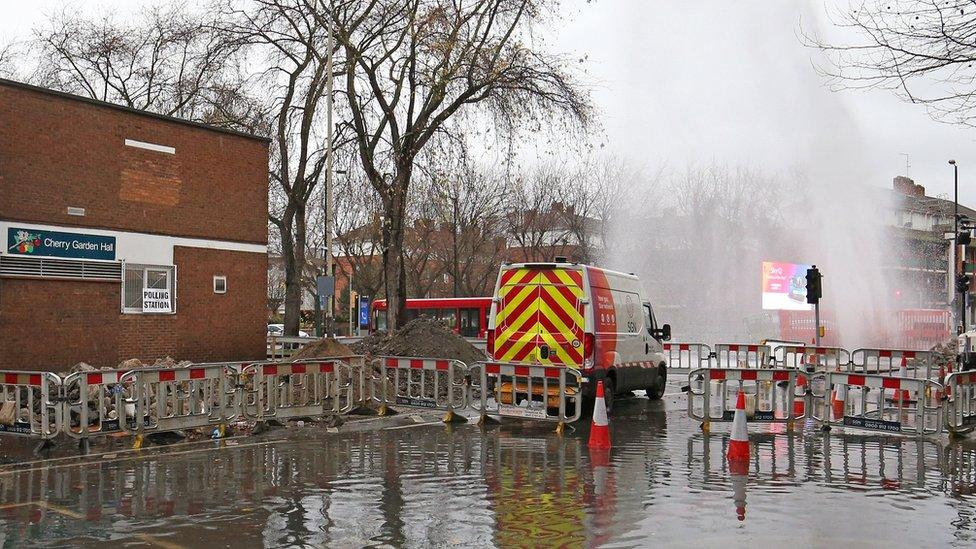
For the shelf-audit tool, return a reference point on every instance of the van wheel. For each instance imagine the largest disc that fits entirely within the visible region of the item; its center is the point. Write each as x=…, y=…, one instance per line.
x=657, y=391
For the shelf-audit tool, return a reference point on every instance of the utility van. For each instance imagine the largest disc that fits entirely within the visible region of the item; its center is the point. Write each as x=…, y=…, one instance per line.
x=583, y=317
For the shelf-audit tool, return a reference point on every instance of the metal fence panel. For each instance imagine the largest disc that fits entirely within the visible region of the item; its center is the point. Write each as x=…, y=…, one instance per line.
x=771, y=394
x=30, y=404
x=875, y=402
x=548, y=393
x=299, y=389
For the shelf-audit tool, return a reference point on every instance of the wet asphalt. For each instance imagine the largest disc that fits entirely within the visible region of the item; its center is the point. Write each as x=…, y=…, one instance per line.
x=411, y=481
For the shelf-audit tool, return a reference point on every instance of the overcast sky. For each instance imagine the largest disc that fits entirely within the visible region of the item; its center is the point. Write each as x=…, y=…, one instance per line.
x=684, y=82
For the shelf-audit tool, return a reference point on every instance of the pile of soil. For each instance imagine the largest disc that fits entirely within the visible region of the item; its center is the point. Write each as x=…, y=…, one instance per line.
x=422, y=337
x=322, y=348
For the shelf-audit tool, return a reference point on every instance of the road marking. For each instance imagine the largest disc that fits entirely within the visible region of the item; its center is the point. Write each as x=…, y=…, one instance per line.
x=59, y=510
x=153, y=540
x=13, y=505
x=414, y=425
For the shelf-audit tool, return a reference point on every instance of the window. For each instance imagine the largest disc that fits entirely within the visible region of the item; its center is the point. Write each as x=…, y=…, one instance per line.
x=649, y=319
x=137, y=283
x=220, y=284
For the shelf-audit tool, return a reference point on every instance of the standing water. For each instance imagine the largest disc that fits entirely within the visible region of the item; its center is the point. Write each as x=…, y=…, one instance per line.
x=509, y=485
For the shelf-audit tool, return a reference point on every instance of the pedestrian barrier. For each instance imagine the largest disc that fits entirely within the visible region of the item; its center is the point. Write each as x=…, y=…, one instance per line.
x=91, y=404
x=549, y=393
x=734, y=355
x=170, y=399
x=297, y=389
x=434, y=384
x=919, y=364
x=769, y=394
x=960, y=402
x=686, y=356
x=812, y=358
x=876, y=402
x=30, y=404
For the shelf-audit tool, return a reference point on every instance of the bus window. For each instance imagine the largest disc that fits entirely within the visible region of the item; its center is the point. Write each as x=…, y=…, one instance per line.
x=412, y=314
x=470, y=322
x=448, y=318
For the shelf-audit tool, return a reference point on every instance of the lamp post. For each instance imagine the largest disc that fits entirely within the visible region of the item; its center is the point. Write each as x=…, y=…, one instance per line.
x=955, y=243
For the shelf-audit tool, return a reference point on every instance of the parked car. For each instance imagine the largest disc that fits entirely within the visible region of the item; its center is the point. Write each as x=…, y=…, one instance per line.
x=279, y=330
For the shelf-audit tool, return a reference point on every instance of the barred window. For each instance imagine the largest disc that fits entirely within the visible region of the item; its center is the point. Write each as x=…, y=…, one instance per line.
x=139, y=279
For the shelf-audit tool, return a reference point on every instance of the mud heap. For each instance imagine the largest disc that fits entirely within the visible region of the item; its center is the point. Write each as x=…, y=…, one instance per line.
x=422, y=337
x=322, y=348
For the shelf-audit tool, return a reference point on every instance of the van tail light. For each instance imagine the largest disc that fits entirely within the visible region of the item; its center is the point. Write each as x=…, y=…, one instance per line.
x=589, y=349
x=490, y=343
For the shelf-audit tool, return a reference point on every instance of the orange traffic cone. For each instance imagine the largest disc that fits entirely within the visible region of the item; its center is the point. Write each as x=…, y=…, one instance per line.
x=801, y=381
x=600, y=429
x=903, y=395
x=938, y=389
x=840, y=399
x=739, y=443
x=740, y=479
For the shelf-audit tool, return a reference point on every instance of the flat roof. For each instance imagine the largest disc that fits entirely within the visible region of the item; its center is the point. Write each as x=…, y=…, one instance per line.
x=130, y=110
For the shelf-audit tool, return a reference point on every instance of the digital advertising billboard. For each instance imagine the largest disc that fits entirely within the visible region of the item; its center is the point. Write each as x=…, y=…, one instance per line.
x=784, y=286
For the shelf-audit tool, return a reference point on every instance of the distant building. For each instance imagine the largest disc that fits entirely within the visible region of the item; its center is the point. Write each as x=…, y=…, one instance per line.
x=922, y=277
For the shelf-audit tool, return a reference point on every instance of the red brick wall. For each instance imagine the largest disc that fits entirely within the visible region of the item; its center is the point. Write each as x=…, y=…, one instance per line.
x=215, y=327
x=54, y=324
x=57, y=152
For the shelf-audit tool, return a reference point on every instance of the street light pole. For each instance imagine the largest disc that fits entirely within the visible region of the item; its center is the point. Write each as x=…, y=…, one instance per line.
x=955, y=243
x=329, y=267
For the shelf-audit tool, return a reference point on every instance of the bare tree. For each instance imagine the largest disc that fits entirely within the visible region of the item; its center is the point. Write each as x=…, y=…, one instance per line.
x=906, y=46
x=356, y=221
x=171, y=61
x=536, y=224
x=284, y=37
x=414, y=67
x=276, y=287
x=471, y=205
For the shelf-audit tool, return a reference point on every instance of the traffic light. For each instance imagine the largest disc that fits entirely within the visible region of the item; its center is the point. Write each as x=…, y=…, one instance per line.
x=814, y=289
x=962, y=283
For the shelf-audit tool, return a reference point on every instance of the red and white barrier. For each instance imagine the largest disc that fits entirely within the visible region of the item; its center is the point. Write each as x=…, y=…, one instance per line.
x=29, y=402
x=296, y=389
x=434, y=384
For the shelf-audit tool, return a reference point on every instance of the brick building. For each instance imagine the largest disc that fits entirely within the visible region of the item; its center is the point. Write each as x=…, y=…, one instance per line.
x=126, y=234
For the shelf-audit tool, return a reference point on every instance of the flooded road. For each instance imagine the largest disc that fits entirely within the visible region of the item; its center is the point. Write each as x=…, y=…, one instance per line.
x=402, y=483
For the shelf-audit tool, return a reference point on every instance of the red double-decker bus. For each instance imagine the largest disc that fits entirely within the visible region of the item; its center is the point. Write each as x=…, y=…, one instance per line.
x=466, y=316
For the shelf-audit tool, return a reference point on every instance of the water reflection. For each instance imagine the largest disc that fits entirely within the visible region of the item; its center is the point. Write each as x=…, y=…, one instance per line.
x=507, y=486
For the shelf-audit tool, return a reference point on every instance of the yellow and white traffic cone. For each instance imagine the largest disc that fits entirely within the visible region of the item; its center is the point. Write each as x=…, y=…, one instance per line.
x=739, y=443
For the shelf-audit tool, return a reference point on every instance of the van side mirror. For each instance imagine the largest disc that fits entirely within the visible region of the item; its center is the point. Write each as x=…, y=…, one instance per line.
x=663, y=333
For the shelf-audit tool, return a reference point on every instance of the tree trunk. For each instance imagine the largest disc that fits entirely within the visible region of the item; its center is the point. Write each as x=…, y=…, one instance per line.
x=293, y=256
x=293, y=287
x=394, y=270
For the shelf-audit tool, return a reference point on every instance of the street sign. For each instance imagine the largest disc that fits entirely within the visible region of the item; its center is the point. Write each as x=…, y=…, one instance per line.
x=325, y=287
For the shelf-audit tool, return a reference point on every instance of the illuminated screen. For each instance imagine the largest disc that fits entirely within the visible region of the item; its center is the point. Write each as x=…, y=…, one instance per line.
x=784, y=287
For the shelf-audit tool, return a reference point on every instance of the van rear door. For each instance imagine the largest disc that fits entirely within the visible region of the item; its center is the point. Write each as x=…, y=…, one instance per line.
x=540, y=316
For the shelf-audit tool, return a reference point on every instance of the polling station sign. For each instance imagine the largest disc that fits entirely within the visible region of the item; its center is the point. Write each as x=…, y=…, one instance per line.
x=38, y=242
x=156, y=301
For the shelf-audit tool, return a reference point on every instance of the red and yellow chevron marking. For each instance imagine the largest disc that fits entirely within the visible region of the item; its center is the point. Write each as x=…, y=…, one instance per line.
x=540, y=307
